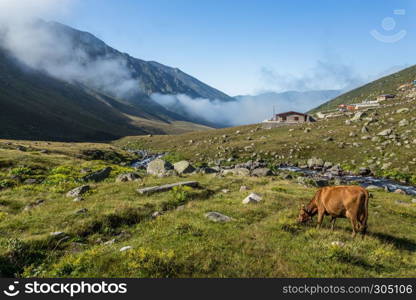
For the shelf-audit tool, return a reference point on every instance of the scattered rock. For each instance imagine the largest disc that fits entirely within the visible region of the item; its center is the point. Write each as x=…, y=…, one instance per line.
x=386, y=166
x=403, y=122
x=126, y=248
x=156, y=214
x=166, y=187
x=402, y=110
x=110, y=242
x=400, y=191
x=338, y=244
x=225, y=191
x=81, y=211
x=158, y=167
x=99, y=175
x=78, y=191
x=33, y=204
x=364, y=171
x=127, y=177
x=78, y=199
x=58, y=234
x=385, y=132
x=315, y=162
x=261, y=172
x=217, y=217
x=358, y=116
x=252, y=198
x=183, y=167
x=243, y=188
x=30, y=181
x=241, y=172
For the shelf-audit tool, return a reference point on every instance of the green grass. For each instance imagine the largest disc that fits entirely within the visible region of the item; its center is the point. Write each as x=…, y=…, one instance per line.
x=263, y=240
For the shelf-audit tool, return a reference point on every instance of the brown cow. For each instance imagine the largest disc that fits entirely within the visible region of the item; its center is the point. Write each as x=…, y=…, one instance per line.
x=339, y=202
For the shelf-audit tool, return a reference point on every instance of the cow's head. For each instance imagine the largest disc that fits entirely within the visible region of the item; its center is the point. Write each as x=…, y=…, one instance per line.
x=304, y=215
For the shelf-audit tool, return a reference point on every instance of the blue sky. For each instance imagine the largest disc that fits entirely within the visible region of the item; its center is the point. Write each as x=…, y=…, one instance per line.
x=249, y=46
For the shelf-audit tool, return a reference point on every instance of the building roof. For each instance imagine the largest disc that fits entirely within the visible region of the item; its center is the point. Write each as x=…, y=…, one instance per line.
x=290, y=113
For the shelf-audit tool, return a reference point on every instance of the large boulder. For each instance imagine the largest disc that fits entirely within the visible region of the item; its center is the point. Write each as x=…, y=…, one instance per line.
x=159, y=167
x=261, y=172
x=127, y=177
x=183, y=167
x=99, y=175
x=77, y=192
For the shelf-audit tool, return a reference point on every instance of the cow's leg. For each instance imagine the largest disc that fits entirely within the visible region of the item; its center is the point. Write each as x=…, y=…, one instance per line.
x=353, y=220
x=320, y=218
x=333, y=219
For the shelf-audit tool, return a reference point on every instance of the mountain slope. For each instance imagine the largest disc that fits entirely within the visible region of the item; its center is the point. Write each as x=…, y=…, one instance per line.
x=153, y=77
x=384, y=85
x=84, y=90
x=36, y=106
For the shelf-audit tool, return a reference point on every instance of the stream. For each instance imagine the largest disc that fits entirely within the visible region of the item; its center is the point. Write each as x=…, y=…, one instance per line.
x=364, y=181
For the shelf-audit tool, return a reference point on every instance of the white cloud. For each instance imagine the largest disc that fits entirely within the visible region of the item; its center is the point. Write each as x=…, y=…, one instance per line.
x=43, y=46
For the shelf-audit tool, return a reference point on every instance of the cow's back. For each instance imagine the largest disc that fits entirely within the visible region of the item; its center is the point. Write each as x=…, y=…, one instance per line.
x=337, y=200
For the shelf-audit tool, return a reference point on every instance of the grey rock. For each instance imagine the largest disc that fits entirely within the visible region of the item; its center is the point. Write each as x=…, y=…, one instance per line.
x=126, y=248
x=261, y=172
x=34, y=204
x=252, y=198
x=386, y=166
x=385, y=132
x=127, y=177
x=402, y=110
x=183, y=167
x=243, y=188
x=315, y=162
x=30, y=181
x=217, y=217
x=166, y=187
x=358, y=116
x=79, y=191
x=158, y=167
x=81, y=211
x=99, y=175
x=404, y=122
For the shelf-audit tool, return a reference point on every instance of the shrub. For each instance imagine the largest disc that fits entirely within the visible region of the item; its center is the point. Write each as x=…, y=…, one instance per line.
x=21, y=171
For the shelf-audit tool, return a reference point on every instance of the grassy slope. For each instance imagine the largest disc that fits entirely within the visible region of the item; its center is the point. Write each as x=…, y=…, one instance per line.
x=262, y=241
x=280, y=145
x=385, y=85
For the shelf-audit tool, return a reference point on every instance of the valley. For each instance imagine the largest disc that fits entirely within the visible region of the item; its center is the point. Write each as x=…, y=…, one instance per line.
x=110, y=229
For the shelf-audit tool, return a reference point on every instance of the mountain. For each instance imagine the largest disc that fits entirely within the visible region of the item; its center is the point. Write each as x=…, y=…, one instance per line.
x=385, y=85
x=152, y=76
x=63, y=96
x=290, y=100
